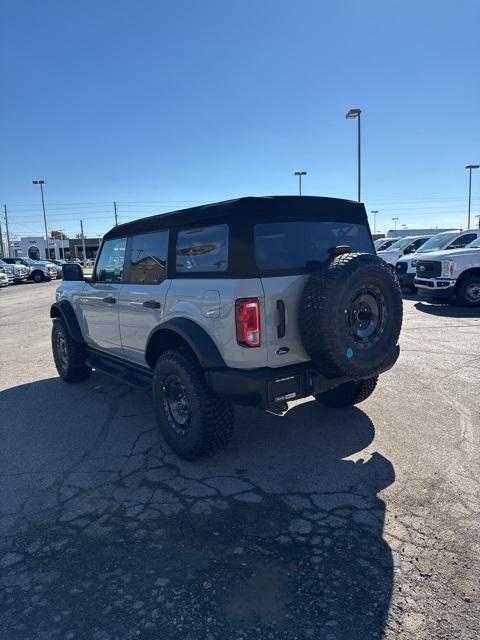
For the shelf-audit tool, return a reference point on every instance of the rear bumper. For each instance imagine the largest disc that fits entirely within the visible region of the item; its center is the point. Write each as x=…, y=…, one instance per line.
x=266, y=387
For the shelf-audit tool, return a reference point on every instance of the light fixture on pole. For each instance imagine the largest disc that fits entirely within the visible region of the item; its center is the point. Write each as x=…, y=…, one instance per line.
x=300, y=174
x=470, y=167
x=375, y=211
x=351, y=115
x=395, y=223
x=41, y=183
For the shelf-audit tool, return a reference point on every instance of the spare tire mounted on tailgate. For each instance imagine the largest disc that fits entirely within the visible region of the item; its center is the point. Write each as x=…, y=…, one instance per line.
x=351, y=315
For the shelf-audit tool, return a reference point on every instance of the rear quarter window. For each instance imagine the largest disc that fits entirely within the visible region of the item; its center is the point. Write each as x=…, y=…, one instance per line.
x=291, y=245
x=202, y=249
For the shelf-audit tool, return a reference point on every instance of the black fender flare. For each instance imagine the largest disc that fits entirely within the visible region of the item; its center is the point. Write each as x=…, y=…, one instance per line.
x=63, y=309
x=197, y=339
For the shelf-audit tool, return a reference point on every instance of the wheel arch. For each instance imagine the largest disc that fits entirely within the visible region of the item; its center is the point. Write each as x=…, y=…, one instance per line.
x=472, y=271
x=180, y=332
x=64, y=310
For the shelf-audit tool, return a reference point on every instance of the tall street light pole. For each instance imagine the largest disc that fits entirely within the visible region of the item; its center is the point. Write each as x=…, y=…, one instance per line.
x=300, y=174
x=375, y=211
x=470, y=167
x=395, y=223
x=41, y=183
x=351, y=115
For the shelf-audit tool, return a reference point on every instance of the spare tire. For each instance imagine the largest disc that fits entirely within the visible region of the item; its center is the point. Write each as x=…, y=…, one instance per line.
x=351, y=315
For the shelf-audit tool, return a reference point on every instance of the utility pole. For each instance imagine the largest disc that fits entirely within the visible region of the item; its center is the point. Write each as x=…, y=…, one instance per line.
x=470, y=167
x=115, y=210
x=2, y=254
x=41, y=183
x=83, y=244
x=6, y=227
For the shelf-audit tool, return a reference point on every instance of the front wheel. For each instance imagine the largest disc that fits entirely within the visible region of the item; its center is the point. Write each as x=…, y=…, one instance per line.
x=38, y=276
x=193, y=420
x=348, y=394
x=468, y=293
x=68, y=355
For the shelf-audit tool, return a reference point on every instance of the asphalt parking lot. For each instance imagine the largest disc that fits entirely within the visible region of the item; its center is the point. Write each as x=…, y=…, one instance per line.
x=328, y=524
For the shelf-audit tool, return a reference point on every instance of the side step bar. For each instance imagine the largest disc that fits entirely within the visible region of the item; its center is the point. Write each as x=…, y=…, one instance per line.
x=132, y=374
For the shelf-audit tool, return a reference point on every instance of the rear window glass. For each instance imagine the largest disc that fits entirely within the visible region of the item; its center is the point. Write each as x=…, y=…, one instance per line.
x=204, y=249
x=290, y=245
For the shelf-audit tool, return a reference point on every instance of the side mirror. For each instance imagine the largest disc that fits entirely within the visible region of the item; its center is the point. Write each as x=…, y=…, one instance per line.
x=72, y=272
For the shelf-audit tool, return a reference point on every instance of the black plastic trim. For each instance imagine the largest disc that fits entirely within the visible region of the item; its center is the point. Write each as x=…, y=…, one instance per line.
x=63, y=309
x=197, y=338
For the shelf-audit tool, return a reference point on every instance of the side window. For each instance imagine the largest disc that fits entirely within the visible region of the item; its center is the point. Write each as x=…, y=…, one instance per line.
x=148, y=258
x=110, y=262
x=204, y=249
x=462, y=241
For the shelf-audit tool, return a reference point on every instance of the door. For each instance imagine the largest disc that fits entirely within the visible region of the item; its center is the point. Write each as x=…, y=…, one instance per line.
x=99, y=302
x=142, y=299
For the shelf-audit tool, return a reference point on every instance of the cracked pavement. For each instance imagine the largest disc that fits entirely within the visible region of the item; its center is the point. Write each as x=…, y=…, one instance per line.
x=328, y=524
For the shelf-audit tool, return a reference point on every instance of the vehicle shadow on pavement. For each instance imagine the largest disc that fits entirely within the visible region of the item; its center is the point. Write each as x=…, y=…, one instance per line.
x=108, y=534
x=447, y=311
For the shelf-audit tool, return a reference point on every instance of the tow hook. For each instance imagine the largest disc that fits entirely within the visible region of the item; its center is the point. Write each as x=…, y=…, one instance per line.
x=278, y=409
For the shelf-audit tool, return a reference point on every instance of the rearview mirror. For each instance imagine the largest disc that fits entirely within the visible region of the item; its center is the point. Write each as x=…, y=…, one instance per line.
x=72, y=272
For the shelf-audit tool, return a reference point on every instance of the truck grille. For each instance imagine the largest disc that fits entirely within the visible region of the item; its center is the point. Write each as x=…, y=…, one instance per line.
x=401, y=267
x=429, y=268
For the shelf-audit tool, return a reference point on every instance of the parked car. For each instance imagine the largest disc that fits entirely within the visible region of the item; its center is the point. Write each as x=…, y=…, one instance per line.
x=402, y=247
x=58, y=265
x=384, y=243
x=255, y=301
x=17, y=273
x=448, y=240
x=4, y=279
x=39, y=270
x=452, y=275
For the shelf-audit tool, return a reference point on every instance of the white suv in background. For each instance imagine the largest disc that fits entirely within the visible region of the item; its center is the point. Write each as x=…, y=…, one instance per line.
x=447, y=240
x=402, y=247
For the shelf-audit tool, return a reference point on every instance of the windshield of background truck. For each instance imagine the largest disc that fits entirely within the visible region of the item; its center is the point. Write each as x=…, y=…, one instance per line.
x=437, y=242
x=400, y=244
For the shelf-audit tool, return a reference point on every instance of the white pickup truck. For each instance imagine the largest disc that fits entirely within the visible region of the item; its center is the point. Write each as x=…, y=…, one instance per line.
x=451, y=275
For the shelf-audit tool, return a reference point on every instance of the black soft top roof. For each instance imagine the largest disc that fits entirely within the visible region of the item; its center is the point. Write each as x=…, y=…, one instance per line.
x=251, y=207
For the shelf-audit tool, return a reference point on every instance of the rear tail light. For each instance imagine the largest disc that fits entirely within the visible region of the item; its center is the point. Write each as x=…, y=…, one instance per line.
x=247, y=316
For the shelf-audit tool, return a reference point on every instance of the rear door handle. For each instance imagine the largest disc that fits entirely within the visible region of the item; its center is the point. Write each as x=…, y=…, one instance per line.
x=109, y=300
x=152, y=304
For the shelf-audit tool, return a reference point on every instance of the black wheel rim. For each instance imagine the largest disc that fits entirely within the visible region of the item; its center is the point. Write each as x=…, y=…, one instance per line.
x=177, y=405
x=472, y=292
x=62, y=353
x=366, y=314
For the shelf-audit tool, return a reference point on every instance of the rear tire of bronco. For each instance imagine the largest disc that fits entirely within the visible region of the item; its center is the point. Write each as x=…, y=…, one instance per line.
x=351, y=315
x=348, y=394
x=68, y=355
x=193, y=420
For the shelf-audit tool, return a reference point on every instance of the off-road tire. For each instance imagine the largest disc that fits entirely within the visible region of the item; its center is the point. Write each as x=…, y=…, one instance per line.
x=462, y=291
x=329, y=315
x=38, y=276
x=348, y=394
x=211, y=418
x=70, y=365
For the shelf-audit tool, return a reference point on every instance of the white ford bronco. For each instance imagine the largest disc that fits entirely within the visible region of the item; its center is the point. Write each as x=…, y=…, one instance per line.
x=255, y=301
x=451, y=275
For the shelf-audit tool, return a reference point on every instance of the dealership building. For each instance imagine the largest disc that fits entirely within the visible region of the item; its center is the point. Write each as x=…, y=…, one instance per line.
x=34, y=247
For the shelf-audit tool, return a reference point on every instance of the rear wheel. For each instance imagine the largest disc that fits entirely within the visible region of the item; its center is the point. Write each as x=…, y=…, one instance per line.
x=348, y=394
x=38, y=276
x=468, y=292
x=68, y=355
x=193, y=420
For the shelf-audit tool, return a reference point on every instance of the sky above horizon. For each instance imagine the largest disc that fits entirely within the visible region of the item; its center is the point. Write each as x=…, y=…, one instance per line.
x=161, y=105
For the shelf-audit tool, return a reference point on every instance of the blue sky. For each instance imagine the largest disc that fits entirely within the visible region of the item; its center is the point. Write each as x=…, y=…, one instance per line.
x=164, y=104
